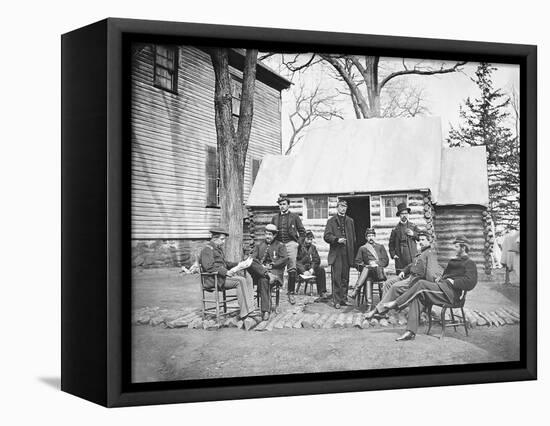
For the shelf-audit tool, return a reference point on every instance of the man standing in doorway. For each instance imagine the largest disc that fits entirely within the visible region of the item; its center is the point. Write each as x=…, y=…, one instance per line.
x=291, y=234
x=340, y=235
x=402, y=242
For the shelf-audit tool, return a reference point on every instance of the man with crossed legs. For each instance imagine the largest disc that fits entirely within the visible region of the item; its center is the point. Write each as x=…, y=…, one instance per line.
x=459, y=276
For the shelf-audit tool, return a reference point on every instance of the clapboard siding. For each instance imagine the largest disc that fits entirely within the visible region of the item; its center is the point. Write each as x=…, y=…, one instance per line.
x=170, y=133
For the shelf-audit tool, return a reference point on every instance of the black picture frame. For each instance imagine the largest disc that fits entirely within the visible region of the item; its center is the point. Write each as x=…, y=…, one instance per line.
x=96, y=217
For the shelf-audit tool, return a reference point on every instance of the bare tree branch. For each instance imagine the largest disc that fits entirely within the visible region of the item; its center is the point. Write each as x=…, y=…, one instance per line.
x=417, y=71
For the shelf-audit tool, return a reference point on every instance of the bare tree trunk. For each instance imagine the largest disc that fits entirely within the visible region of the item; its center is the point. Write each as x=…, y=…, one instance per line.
x=232, y=145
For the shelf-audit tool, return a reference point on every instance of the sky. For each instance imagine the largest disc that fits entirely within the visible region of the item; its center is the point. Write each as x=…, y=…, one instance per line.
x=443, y=94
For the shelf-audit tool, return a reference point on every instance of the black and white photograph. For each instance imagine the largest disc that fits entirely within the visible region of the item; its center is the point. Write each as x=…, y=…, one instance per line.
x=313, y=212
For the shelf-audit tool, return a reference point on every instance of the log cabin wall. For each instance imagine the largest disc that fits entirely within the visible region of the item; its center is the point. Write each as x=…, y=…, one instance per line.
x=170, y=136
x=451, y=221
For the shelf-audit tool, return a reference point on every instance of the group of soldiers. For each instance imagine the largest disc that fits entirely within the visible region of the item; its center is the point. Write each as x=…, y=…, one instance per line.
x=419, y=281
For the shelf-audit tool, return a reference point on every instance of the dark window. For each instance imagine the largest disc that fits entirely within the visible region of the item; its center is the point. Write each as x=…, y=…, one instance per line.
x=236, y=93
x=212, y=177
x=166, y=68
x=256, y=162
x=389, y=205
x=317, y=207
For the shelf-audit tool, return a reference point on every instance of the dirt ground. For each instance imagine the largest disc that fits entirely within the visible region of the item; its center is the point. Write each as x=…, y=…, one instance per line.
x=174, y=354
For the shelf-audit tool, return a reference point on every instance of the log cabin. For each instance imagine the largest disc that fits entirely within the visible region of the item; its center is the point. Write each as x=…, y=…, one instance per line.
x=175, y=199
x=376, y=164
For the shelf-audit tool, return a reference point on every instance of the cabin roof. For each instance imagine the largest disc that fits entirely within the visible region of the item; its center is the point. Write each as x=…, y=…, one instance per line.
x=375, y=156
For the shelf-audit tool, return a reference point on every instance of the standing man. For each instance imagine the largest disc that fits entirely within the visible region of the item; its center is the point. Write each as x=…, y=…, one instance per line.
x=268, y=265
x=212, y=259
x=309, y=262
x=340, y=235
x=459, y=276
x=423, y=267
x=371, y=260
x=291, y=234
x=402, y=243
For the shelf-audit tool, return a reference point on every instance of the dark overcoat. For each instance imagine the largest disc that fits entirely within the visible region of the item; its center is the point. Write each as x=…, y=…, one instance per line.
x=212, y=259
x=402, y=245
x=333, y=231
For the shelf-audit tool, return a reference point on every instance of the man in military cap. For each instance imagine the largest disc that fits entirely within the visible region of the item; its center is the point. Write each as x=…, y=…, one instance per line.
x=212, y=259
x=291, y=234
x=269, y=261
x=308, y=262
x=424, y=266
x=402, y=243
x=340, y=235
x=459, y=276
x=371, y=260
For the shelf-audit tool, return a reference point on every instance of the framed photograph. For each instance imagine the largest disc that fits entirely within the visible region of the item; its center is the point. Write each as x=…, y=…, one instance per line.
x=254, y=212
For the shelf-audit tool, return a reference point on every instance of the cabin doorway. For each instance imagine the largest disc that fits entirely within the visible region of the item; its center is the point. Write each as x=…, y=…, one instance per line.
x=359, y=211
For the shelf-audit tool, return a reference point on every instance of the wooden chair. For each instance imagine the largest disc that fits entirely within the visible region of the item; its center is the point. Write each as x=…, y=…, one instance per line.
x=456, y=319
x=309, y=282
x=220, y=301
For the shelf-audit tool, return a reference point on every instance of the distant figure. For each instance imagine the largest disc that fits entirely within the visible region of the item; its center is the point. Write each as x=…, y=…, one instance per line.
x=371, y=260
x=212, y=259
x=510, y=254
x=269, y=261
x=459, y=276
x=308, y=262
x=291, y=234
x=340, y=235
x=402, y=243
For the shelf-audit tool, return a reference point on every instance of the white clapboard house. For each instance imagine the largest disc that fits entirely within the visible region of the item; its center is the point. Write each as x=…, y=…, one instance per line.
x=175, y=198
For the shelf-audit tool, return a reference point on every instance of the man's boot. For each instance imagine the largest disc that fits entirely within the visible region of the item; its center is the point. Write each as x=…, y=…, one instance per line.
x=291, y=286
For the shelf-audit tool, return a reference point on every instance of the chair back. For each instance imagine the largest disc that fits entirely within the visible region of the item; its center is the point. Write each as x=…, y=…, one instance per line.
x=204, y=275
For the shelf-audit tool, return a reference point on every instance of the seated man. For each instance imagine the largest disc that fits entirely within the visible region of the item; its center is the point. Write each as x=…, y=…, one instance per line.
x=424, y=266
x=308, y=262
x=212, y=259
x=371, y=260
x=269, y=260
x=459, y=276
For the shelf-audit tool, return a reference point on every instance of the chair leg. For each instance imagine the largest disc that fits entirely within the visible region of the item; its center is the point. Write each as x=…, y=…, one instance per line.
x=224, y=304
x=203, y=303
x=464, y=321
x=453, y=318
x=443, y=310
x=429, y=319
x=217, y=294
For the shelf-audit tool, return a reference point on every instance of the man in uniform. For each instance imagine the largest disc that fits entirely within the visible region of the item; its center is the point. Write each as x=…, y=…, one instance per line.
x=340, y=235
x=269, y=261
x=291, y=234
x=371, y=260
x=459, y=276
x=308, y=262
x=402, y=243
x=424, y=266
x=212, y=259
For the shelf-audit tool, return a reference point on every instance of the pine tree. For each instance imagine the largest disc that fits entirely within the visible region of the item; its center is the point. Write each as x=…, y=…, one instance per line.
x=484, y=122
